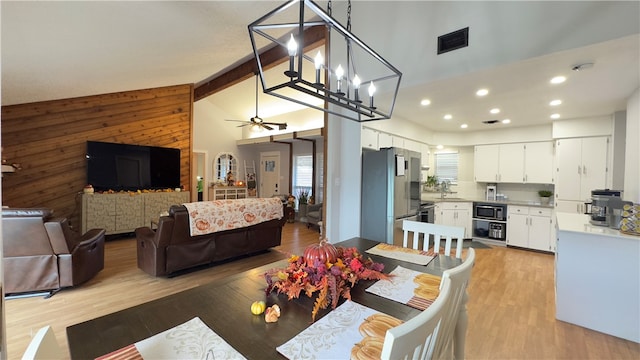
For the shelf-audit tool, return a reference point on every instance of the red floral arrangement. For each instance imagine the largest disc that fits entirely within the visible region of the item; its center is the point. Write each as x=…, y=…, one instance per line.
x=325, y=269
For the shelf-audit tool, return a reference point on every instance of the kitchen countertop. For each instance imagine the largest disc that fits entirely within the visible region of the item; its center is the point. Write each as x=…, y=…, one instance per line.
x=501, y=202
x=579, y=223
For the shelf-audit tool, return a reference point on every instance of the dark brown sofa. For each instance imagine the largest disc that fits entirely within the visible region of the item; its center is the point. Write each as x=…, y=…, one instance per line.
x=171, y=248
x=45, y=254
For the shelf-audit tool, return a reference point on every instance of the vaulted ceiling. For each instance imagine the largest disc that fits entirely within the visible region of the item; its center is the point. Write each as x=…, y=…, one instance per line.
x=53, y=50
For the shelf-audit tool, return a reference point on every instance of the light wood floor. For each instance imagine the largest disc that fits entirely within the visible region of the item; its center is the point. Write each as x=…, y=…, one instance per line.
x=511, y=302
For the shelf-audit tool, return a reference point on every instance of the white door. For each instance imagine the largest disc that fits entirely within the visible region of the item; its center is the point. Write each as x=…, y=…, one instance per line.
x=270, y=174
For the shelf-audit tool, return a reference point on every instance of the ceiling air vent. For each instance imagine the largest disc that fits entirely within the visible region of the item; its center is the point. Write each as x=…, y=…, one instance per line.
x=453, y=40
x=489, y=122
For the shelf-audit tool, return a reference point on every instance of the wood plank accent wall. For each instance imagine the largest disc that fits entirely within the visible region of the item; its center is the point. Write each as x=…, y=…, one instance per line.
x=49, y=140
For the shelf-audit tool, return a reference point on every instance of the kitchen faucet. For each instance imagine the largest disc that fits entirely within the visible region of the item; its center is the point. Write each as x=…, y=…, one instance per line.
x=445, y=188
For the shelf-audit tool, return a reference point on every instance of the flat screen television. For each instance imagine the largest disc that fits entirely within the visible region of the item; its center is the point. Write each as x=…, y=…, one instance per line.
x=118, y=167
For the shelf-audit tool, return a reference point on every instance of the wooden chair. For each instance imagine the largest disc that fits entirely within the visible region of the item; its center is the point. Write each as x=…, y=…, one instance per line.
x=417, y=337
x=454, y=324
x=43, y=346
x=438, y=231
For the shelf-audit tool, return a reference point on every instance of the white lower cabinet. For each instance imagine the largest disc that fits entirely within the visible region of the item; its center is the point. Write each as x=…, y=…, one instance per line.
x=455, y=214
x=531, y=227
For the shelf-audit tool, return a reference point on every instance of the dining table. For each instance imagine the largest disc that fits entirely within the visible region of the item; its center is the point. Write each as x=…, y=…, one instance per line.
x=224, y=306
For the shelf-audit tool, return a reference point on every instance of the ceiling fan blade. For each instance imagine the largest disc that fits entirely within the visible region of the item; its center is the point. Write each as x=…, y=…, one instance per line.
x=244, y=121
x=281, y=126
x=266, y=126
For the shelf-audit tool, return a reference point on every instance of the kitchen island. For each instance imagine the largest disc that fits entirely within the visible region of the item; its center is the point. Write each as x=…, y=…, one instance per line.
x=597, y=277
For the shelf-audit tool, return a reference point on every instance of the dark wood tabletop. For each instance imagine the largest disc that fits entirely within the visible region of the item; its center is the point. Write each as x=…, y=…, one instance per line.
x=224, y=306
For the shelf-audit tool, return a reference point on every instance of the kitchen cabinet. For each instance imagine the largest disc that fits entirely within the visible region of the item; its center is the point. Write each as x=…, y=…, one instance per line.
x=369, y=139
x=514, y=163
x=384, y=140
x=424, y=159
x=581, y=167
x=538, y=162
x=455, y=214
x=530, y=227
x=485, y=163
x=397, y=142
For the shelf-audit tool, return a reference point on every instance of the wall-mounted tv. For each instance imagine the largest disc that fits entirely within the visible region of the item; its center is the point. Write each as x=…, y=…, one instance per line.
x=117, y=167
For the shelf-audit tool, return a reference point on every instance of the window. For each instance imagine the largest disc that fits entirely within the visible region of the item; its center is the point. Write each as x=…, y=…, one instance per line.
x=447, y=166
x=302, y=174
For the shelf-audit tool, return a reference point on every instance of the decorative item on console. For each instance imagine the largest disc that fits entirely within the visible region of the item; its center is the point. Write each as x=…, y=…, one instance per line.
x=230, y=179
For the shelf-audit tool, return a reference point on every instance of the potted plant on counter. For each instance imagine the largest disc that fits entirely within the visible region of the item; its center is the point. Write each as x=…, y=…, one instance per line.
x=545, y=196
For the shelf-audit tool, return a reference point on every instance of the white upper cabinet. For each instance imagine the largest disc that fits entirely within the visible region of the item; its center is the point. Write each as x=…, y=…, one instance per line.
x=511, y=163
x=369, y=139
x=424, y=159
x=486, y=163
x=538, y=161
x=397, y=142
x=514, y=163
x=384, y=140
x=581, y=167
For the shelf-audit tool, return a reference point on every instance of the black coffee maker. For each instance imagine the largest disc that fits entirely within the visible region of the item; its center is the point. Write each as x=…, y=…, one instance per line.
x=600, y=205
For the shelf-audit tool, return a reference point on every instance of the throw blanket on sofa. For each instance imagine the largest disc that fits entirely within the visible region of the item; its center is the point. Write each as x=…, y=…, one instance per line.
x=206, y=217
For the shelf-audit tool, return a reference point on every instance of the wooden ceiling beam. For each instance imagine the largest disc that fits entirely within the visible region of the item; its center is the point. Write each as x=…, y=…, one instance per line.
x=314, y=37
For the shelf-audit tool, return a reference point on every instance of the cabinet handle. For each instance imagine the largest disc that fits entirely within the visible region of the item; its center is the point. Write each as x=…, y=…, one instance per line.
x=584, y=170
x=579, y=170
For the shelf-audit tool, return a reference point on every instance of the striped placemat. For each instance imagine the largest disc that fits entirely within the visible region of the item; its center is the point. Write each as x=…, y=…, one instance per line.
x=413, y=256
x=408, y=287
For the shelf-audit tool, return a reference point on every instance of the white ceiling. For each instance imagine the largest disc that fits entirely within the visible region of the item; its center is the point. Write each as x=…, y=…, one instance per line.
x=54, y=50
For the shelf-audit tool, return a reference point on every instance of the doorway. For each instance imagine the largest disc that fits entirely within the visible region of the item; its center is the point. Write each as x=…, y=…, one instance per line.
x=269, y=177
x=199, y=176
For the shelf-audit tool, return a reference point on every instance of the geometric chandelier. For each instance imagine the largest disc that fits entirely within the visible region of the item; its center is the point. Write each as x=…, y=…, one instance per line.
x=346, y=73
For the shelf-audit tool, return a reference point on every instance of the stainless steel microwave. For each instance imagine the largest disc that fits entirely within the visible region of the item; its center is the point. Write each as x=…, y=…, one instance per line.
x=490, y=212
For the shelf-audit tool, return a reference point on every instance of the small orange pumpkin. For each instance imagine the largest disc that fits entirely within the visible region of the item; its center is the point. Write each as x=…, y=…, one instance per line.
x=323, y=251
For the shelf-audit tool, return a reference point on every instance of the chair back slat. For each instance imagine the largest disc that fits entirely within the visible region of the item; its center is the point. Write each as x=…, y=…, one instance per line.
x=439, y=232
x=417, y=338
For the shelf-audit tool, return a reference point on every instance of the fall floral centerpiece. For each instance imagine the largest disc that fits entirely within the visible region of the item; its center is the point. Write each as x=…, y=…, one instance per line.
x=325, y=269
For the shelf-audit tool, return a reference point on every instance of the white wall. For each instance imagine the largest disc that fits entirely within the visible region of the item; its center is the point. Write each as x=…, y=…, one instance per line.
x=632, y=150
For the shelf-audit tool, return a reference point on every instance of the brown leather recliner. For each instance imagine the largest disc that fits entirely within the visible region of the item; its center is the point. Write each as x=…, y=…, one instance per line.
x=45, y=254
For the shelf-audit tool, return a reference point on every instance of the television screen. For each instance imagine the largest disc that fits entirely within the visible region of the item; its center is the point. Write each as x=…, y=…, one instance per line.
x=118, y=167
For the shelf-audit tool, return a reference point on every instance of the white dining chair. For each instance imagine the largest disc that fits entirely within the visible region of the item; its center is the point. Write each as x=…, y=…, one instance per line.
x=43, y=346
x=417, y=337
x=454, y=323
x=439, y=232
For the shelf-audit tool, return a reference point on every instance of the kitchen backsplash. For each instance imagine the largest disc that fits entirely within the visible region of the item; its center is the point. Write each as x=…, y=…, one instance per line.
x=477, y=191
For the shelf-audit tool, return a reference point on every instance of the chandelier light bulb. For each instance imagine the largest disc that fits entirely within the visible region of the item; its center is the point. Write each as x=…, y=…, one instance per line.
x=372, y=90
x=292, y=46
x=356, y=87
x=319, y=60
x=356, y=82
x=339, y=74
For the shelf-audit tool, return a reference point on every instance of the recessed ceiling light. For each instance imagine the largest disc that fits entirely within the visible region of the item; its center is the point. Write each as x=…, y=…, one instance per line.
x=506, y=121
x=558, y=80
x=555, y=116
x=425, y=102
x=439, y=147
x=555, y=102
x=448, y=117
x=482, y=92
x=494, y=111
x=464, y=126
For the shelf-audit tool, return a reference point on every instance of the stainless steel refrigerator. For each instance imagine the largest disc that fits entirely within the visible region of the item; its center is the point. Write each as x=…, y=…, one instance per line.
x=390, y=193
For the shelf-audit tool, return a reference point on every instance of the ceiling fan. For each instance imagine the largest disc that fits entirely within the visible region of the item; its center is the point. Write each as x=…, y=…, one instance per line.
x=257, y=120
